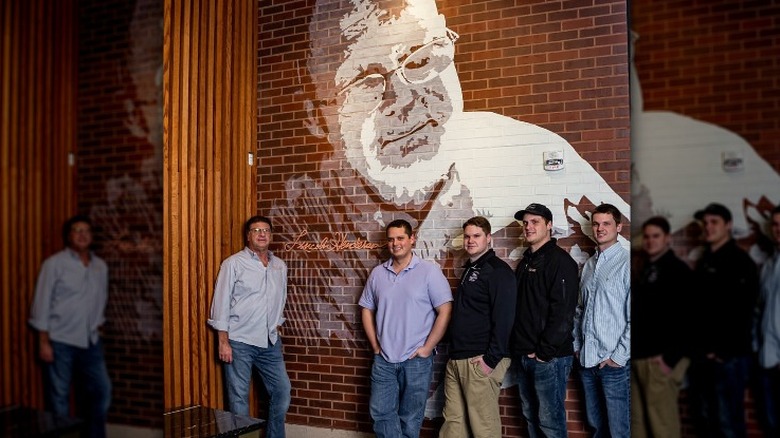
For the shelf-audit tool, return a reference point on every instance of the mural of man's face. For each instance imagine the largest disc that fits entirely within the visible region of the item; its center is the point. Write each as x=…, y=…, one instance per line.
x=394, y=90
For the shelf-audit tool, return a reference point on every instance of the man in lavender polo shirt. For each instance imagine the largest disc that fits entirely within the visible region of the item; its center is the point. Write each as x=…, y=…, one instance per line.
x=406, y=304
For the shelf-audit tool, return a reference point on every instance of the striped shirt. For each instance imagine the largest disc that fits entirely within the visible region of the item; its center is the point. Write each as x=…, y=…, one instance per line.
x=769, y=345
x=602, y=322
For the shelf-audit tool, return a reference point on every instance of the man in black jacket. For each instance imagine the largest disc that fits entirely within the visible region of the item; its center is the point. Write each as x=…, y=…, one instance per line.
x=482, y=316
x=727, y=279
x=661, y=289
x=542, y=341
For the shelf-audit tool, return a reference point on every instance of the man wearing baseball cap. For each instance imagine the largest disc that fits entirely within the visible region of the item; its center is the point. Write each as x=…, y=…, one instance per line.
x=726, y=279
x=542, y=340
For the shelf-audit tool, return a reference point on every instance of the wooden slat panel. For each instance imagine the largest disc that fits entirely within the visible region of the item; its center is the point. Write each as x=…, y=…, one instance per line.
x=37, y=131
x=208, y=186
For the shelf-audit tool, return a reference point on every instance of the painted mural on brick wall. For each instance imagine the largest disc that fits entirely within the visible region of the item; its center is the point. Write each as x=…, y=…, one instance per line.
x=386, y=100
x=130, y=214
x=681, y=164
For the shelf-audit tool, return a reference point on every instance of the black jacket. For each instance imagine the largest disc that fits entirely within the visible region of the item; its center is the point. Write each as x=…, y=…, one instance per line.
x=547, y=292
x=483, y=310
x=661, y=308
x=726, y=283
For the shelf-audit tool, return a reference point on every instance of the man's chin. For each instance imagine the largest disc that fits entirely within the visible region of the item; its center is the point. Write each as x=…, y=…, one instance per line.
x=407, y=152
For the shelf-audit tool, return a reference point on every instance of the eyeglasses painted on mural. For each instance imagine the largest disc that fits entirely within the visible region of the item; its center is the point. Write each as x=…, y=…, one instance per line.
x=423, y=64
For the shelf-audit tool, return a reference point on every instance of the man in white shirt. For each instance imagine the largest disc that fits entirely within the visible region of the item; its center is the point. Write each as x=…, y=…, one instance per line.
x=602, y=329
x=68, y=310
x=769, y=335
x=249, y=298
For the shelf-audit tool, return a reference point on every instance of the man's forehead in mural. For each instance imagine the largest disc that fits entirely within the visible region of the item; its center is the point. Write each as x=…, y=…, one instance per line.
x=337, y=25
x=384, y=38
x=386, y=85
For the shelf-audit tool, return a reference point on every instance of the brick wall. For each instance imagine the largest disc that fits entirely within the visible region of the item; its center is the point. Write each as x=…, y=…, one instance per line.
x=561, y=66
x=708, y=75
x=714, y=62
x=120, y=187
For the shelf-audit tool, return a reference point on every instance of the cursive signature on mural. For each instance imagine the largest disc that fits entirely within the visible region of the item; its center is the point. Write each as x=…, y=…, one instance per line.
x=338, y=242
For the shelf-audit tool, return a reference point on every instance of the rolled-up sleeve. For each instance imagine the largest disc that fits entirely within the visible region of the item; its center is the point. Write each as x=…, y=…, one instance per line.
x=223, y=291
x=44, y=287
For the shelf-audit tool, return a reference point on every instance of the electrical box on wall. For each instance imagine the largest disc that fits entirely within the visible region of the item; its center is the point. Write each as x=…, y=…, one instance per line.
x=732, y=161
x=553, y=160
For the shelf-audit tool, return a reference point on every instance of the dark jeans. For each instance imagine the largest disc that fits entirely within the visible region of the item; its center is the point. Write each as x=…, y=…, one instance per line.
x=767, y=395
x=608, y=400
x=87, y=368
x=717, y=394
x=542, y=388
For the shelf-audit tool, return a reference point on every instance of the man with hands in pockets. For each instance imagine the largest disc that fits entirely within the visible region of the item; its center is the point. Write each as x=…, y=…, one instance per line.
x=406, y=306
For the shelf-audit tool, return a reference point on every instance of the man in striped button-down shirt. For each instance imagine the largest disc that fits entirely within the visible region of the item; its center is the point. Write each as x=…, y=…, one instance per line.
x=602, y=327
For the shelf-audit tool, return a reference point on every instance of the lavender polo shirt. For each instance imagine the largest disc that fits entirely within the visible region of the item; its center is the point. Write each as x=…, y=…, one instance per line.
x=405, y=305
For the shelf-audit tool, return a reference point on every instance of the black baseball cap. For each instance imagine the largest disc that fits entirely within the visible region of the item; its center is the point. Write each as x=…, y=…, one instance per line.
x=715, y=209
x=537, y=209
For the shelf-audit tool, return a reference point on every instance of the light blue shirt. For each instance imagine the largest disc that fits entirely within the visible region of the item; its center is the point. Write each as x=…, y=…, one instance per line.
x=249, y=298
x=70, y=298
x=769, y=347
x=602, y=321
x=405, y=305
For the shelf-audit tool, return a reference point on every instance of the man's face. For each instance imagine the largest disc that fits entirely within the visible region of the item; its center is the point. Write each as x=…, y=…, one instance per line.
x=654, y=240
x=395, y=91
x=399, y=243
x=536, y=230
x=259, y=236
x=605, y=229
x=776, y=227
x=80, y=236
x=475, y=240
x=716, y=229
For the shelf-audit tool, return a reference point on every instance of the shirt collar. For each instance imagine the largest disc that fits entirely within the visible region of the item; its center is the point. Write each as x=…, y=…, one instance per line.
x=253, y=255
x=75, y=255
x=544, y=248
x=489, y=253
x=414, y=262
x=609, y=252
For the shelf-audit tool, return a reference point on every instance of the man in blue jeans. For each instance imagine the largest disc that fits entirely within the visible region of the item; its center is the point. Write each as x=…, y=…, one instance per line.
x=727, y=287
x=406, y=306
x=249, y=298
x=602, y=329
x=68, y=311
x=542, y=342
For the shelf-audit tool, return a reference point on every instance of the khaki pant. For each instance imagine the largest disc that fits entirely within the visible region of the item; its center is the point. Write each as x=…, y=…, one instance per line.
x=654, y=407
x=471, y=400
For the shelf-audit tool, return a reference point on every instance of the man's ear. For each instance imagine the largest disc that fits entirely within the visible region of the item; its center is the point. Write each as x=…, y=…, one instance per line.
x=311, y=122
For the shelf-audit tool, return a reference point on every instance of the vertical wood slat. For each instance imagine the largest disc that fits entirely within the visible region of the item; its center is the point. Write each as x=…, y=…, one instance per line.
x=37, y=131
x=209, y=97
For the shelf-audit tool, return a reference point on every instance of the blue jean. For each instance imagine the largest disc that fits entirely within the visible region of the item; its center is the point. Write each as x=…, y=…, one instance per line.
x=543, y=393
x=88, y=367
x=398, y=395
x=767, y=395
x=269, y=363
x=608, y=400
x=717, y=394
